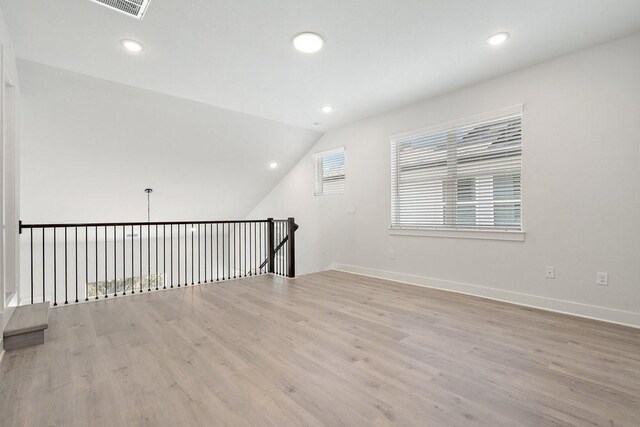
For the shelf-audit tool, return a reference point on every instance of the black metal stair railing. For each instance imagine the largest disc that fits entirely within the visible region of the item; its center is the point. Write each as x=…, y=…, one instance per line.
x=114, y=259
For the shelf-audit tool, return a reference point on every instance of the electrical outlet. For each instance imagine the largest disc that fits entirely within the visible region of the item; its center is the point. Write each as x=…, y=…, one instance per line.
x=550, y=272
x=602, y=279
x=392, y=254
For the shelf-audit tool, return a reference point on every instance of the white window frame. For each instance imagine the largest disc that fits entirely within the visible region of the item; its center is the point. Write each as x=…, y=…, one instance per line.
x=448, y=231
x=318, y=178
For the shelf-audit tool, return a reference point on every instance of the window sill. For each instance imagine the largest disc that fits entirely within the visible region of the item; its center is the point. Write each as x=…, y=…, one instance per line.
x=513, y=236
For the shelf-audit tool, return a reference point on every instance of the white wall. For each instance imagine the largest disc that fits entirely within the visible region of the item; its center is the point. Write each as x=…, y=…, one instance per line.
x=90, y=147
x=581, y=192
x=9, y=178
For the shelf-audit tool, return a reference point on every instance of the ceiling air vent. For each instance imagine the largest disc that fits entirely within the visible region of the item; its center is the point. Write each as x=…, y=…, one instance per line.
x=133, y=8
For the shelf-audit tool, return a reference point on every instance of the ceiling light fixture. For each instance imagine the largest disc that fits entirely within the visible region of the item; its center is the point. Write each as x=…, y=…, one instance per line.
x=308, y=42
x=131, y=45
x=498, y=38
x=327, y=109
x=273, y=165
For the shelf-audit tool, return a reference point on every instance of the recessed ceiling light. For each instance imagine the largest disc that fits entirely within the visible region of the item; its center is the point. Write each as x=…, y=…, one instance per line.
x=498, y=38
x=308, y=42
x=131, y=45
x=327, y=109
x=273, y=165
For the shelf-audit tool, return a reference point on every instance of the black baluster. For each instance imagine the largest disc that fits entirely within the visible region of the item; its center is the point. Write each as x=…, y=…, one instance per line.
x=199, y=259
x=148, y=257
x=124, y=260
x=259, y=247
x=43, y=267
x=164, y=256
x=66, y=276
x=186, y=257
x=140, y=238
x=86, y=263
x=115, y=262
x=229, y=251
x=171, y=253
x=236, y=250
x=31, y=249
x=106, y=265
x=217, y=253
x=205, y=251
x=55, y=271
x=133, y=261
x=96, y=262
x=192, y=254
x=211, y=252
x=76, y=229
x=156, y=257
x=178, y=255
x=260, y=258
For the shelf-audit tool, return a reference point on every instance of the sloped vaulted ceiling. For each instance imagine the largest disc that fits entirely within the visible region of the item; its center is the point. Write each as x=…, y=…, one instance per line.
x=90, y=147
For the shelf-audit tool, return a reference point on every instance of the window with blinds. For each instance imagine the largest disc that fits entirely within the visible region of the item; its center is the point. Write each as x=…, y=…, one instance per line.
x=464, y=175
x=329, y=170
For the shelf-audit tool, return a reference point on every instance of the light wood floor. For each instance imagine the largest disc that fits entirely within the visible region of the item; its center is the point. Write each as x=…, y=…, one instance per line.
x=326, y=349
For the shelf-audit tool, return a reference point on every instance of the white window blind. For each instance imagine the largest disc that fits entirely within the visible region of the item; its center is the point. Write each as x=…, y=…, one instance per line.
x=462, y=175
x=329, y=170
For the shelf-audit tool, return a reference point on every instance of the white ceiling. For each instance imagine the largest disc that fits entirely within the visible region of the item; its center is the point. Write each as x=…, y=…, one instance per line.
x=379, y=54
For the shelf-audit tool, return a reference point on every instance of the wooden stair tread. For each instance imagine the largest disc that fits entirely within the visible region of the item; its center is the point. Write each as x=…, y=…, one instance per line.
x=28, y=318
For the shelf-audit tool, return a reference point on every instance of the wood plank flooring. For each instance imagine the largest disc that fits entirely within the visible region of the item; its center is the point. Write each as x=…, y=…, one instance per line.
x=324, y=349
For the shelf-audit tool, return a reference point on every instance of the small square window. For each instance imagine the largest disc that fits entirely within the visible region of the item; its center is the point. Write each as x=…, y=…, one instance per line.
x=330, y=172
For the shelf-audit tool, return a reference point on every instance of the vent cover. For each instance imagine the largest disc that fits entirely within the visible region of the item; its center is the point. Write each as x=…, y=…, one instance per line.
x=133, y=8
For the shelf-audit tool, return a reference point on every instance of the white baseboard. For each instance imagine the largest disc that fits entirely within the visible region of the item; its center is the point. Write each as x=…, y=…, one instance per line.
x=626, y=318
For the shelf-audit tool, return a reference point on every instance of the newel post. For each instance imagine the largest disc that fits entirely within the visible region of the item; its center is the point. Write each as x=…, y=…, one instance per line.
x=291, y=248
x=271, y=244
